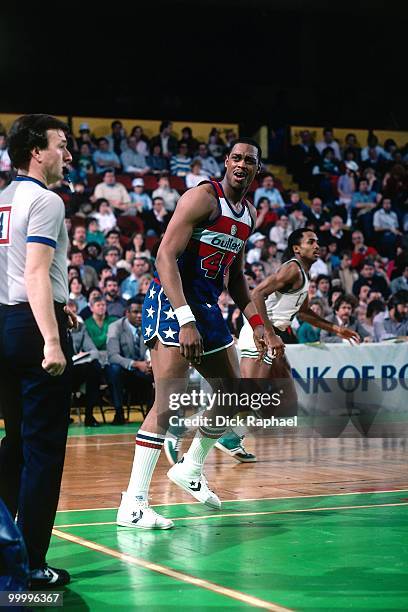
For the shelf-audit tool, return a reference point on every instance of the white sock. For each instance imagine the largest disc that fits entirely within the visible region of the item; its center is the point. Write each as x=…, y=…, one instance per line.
x=147, y=452
x=200, y=447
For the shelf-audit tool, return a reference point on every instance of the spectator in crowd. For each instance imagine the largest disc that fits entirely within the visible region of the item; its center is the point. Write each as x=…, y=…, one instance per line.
x=142, y=142
x=346, y=186
x=266, y=218
x=371, y=177
x=323, y=171
x=138, y=246
x=360, y=250
x=386, y=226
x=362, y=204
x=104, y=215
x=270, y=257
x=216, y=148
x=112, y=256
x=188, y=139
x=112, y=239
x=323, y=283
x=86, y=312
x=254, y=254
x=166, y=140
x=297, y=218
x=317, y=215
x=76, y=293
x=306, y=333
x=332, y=258
x=400, y=283
x=5, y=161
x=156, y=162
x=164, y=191
x=130, y=285
x=196, y=176
x=88, y=275
x=115, y=305
x=372, y=144
x=258, y=271
x=328, y=141
x=268, y=190
x=79, y=238
x=132, y=161
x=113, y=191
x=92, y=257
x=87, y=369
x=157, y=219
x=368, y=277
x=144, y=284
x=343, y=317
x=117, y=138
x=351, y=145
x=93, y=233
x=312, y=290
x=103, y=158
x=373, y=309
x=85, y=137
x=337, y=234
x=209, y=166
x=281, y=232
x=395, y=322
x=128, y=363
x=304, y=156
x=140, y=200
x=180, y=164
x=296, y=201
x=346, y=273
x=97, y=325
x=84, y=164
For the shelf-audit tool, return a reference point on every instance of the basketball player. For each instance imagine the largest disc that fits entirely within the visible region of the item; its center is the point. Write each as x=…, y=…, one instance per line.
x=286, y=296
x=182, y=323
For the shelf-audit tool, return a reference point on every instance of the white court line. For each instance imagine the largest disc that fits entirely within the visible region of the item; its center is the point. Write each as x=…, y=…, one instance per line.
x=255, y=602
x=241, y=514
x=251, y=499
x=99, y=444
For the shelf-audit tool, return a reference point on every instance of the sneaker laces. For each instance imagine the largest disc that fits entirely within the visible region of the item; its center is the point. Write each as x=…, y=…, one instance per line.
x=177, y=444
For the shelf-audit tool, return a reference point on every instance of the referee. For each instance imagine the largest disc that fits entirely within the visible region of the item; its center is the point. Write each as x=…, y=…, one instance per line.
x=34, y=345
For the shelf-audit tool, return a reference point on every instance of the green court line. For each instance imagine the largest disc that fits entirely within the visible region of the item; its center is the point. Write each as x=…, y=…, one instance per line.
x=325, y=560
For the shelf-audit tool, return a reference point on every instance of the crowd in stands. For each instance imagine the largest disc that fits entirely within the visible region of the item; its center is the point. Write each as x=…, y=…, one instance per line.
x=126, y=189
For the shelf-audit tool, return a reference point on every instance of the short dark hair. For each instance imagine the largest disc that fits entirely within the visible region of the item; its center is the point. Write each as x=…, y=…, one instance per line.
x=137, y=299
x=374, y=307
x=344, y=299
x=29, y=132
x=400, y=297
x=295, y=238
x=110, y=279
x=249, y=141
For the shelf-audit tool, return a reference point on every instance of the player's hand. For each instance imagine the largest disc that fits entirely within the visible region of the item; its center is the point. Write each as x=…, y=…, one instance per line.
x=275, y=343
x=54, y=361
x=260, y=343
x=191, y=343
x=72, y=318
x=348, y=334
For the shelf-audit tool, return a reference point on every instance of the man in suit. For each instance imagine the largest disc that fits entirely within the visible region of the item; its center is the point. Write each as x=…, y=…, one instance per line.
x=128, y=365
x=343, y=308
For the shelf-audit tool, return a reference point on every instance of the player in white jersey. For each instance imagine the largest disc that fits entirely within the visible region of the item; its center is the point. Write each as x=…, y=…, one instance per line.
x=279, y=298
x=35, y=353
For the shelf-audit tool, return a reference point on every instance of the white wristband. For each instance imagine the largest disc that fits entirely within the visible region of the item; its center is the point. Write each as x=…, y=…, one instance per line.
x=184, y=315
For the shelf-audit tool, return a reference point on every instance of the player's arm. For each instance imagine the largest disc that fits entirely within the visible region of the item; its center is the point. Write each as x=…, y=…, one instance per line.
x=39, y=292
x=193, y=208
x=306, y=314
x=287, y=277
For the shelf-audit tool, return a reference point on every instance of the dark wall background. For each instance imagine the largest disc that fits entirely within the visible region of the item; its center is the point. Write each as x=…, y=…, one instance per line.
x=279, y=62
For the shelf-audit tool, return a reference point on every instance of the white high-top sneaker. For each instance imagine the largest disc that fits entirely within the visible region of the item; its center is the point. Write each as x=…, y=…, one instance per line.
x=137, y=513
x=189, y=477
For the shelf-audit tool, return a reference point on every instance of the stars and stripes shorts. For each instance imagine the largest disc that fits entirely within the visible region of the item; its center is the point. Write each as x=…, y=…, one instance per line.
x=159, y=320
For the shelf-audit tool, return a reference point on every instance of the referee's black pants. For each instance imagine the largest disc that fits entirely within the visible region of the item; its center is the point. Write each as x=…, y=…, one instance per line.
x=35, y=407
